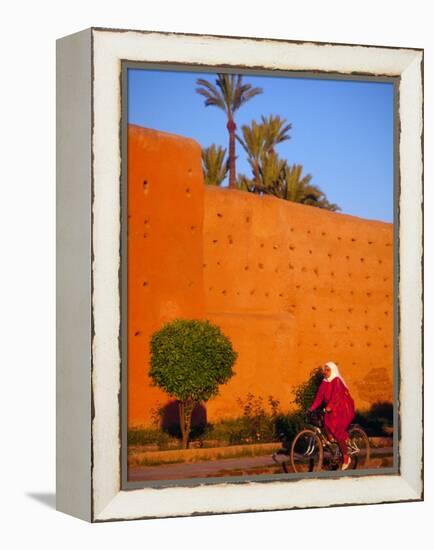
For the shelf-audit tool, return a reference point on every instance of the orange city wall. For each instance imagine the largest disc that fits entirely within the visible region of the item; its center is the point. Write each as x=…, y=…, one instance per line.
x=292, y=286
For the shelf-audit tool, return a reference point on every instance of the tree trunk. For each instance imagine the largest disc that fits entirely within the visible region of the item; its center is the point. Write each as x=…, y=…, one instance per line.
x=185, y=411
x=231, y=126
x=182, y=423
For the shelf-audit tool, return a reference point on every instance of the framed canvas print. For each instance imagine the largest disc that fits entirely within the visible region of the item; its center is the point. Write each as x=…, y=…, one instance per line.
x=239, y=274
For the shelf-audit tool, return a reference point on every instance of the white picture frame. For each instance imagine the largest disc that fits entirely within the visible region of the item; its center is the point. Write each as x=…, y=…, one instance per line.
x=89, y=481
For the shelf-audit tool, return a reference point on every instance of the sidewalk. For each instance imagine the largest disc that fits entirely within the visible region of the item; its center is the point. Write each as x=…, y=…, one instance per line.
x=253, y=465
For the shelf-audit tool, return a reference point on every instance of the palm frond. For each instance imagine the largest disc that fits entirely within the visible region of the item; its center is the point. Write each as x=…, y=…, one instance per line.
x=276, y=130
x=215, y=166
x=241, y=142
x=298, y=188
x=206, y=84
x=245, y=184
x=211, y=94
x=253, y=139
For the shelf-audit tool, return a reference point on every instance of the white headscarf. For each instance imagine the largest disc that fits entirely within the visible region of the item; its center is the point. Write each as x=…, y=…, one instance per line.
x=334, y=373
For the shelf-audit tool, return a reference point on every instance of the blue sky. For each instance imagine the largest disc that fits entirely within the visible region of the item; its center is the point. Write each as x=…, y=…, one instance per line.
x=342, y=131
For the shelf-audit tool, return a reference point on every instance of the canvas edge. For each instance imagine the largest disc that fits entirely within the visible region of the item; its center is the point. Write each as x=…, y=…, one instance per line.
x=411, y=273
x=254, y=38
x=73, y=275
x=412, y=483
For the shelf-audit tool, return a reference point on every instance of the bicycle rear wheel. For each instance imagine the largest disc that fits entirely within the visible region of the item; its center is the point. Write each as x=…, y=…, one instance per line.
x=306, y=452
x=359, y=448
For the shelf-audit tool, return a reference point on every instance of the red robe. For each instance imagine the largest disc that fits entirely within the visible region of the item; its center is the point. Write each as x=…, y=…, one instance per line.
x=337, y=398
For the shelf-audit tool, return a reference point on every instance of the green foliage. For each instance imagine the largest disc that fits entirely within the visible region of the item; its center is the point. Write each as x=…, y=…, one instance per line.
x=256, y=425
x=157, y=415
x=305, y=393
x=272, y=175
x=297, y=188
x=228, y=93
x=233, y=431
x=275, y=130
x=148, y=436
x=215, y=166
x=245, y=184
x=383, y=412
x=252, y=140
x=289, y=424
x=272, y=172
x=259, y=140
x=262, y=137
x=259, y=424
x=197, y=432
x=190, y=359
x=378, y=420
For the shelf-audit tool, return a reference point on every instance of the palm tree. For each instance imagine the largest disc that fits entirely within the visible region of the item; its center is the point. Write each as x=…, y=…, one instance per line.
x=215, y=166
x=272, y=170
x=297, y=188
x=276, y=130
x=229, y=94
x=259, y=141
x=253, y=144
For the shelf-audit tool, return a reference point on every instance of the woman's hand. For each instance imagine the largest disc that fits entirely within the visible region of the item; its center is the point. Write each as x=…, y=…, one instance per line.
x=328, y=410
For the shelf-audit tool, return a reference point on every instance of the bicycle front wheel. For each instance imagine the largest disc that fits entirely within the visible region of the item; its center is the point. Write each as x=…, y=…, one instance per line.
x=359, y=448
x=306, y=452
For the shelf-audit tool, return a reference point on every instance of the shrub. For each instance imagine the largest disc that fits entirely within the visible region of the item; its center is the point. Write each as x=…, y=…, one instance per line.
x=288, y=425
x=234, y=431
x=190, y=359
x=196, y=432
x=148, y=436
x=382, y=412
x=256, y=425
x=378, y=420
x=305, y=393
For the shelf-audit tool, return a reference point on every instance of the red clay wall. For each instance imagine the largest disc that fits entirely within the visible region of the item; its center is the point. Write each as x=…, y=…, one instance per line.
x=295, y=286
x=292, y=286
x=165, y=251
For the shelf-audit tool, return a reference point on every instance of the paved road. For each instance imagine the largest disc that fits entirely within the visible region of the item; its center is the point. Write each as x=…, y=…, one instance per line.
x=228, y=467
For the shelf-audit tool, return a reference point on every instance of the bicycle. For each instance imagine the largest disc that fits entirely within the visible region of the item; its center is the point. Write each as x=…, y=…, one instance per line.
x=311, y=450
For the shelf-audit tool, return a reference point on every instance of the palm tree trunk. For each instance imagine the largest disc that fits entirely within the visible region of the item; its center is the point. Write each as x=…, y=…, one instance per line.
x=231, y=126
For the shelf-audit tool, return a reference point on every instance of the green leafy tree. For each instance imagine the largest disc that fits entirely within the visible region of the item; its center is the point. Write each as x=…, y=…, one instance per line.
x=215, y=166
x=304, y=393
x=228, y=94
x=190, y=359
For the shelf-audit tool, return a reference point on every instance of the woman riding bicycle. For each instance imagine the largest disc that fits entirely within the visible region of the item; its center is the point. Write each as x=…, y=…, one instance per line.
x=339, y=408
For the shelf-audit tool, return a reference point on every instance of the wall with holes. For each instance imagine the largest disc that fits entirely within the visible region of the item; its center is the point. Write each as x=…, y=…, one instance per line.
x=165, y=251
x=295, y=286
x=292, y=286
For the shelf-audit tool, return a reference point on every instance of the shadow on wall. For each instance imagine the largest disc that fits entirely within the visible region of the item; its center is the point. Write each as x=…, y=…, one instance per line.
x=170, y=423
